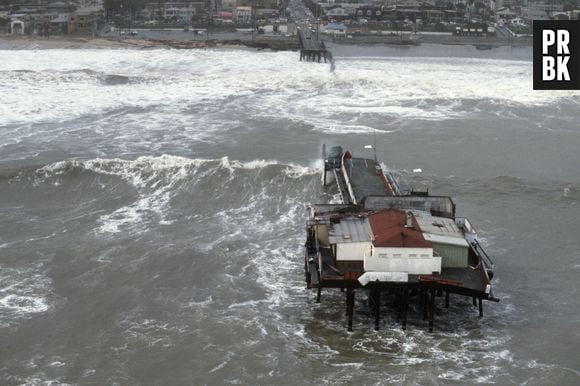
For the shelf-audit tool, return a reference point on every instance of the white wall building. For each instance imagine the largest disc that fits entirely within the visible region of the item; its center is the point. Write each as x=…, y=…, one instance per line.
x=243, y=15
x=386, y=241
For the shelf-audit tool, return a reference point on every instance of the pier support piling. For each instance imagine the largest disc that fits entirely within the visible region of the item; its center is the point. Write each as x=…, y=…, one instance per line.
x=318, y=294
x=377, y=306
x=431, y=310
x=425, y=303
x=446, y=299
x=480, y=307
x=405, y=309
x=349, y=306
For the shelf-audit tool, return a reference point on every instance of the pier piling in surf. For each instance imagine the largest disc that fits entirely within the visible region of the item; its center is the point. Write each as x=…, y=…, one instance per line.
x=312, y=49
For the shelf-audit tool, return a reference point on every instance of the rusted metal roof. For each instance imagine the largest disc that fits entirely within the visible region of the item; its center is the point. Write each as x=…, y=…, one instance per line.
x=389, y=230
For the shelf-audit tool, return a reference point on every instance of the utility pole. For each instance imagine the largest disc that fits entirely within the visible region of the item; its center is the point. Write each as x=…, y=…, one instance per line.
x=253, y=18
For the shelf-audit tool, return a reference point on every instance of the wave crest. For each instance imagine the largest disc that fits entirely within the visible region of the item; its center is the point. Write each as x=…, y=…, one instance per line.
x=159, y=180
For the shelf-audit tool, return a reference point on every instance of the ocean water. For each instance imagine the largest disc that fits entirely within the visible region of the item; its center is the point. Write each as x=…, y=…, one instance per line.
x=153, y=204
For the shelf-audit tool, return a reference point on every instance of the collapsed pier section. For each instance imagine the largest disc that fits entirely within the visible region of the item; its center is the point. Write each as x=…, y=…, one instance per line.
x=382, y=242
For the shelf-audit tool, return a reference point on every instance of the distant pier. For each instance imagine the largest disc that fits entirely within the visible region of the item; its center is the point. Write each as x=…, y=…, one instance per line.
x=312, y=49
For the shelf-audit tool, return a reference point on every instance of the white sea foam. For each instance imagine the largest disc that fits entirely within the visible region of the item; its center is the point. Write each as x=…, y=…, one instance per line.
x=152, y=332
x=59, y=87
x=23, y=304
x=23, y=293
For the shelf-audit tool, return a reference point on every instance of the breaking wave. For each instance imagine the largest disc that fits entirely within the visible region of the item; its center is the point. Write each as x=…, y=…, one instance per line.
x=369, y=91
x=70, y=76
x=162, y=184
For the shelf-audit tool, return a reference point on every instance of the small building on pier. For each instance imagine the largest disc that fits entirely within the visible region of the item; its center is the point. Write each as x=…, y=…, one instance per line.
x=399, y=245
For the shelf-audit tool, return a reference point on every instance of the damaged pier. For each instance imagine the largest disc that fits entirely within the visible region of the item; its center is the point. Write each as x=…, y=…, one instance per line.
x=312, y=49
x=409, y=248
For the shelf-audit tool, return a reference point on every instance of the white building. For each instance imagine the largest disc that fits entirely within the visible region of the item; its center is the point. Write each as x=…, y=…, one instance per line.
x=387, y=241
x=243, y=15
x=399, y=245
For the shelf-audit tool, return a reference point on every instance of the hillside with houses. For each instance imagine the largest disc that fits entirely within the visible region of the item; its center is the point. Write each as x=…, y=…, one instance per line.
x=510, y=18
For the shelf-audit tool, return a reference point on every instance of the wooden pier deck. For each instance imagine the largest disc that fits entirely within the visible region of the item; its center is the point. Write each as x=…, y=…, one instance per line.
x=367, y=178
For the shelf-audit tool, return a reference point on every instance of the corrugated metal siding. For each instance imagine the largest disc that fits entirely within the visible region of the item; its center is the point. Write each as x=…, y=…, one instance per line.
x=452, y=256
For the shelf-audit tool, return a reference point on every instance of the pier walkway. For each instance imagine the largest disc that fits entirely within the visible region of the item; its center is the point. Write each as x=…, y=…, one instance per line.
x=359, y=178
x=367, y=179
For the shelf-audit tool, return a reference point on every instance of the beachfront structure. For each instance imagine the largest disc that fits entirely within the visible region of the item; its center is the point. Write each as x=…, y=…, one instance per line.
x=173, y=10
x=83, y=22
x=243, y=15
x=334, y=29
x=16, y=27
x=54, y=19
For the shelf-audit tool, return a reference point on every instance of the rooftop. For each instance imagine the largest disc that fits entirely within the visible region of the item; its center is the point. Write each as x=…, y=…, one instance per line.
x=440, y=229
x=350, y=230
x=389, y=230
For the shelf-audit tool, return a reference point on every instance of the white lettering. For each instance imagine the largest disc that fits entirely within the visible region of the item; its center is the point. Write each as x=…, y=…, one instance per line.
x=548, y=70
x=548, y=39
x=562, y=65
x=563, y=40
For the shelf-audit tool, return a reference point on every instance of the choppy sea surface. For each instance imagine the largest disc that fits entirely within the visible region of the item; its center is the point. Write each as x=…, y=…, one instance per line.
x=152, y=213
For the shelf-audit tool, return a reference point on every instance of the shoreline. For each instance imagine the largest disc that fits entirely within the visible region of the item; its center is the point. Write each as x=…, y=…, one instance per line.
x=268, y=42
x=275, y=43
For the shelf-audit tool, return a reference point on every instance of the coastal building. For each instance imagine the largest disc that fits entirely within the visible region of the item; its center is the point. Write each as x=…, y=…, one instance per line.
x=575, y=14
x=229, y=4
x=337, y=13
x=256, y=4
x=84, y=21
x=560, y=16
x=181, y=10
x=99, y=4
x=334, y=29
x=243, y=15
x=59, y=25
x=223, y=17
x=504, y=14
x=17, y=27
x=50, y=18
x=340, y=11
x=369, y=12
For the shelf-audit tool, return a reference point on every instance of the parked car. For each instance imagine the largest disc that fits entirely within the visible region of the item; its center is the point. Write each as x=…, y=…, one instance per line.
x=518, y=22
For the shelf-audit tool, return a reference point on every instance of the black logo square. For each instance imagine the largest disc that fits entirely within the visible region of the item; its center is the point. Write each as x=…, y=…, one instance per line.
x=556, y=54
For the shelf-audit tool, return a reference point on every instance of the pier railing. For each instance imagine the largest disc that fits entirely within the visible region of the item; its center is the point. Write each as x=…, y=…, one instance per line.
x=484, y=257
x=347, y=181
